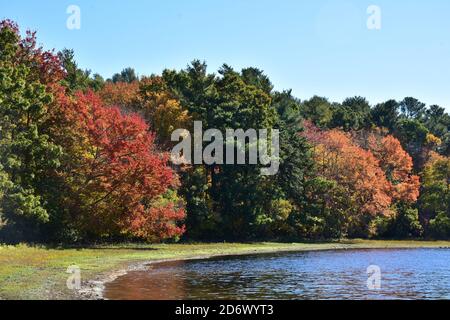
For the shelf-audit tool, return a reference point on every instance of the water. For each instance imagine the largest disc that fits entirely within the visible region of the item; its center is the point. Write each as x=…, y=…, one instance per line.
x=405, y=274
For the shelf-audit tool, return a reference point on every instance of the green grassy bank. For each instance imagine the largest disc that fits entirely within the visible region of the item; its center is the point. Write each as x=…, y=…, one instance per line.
x=40, y=273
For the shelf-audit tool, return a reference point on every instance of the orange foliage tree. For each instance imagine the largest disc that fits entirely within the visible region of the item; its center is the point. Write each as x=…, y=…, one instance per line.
x=373, y=178
x=339, y=159
x=397, y=165
x=121, y=94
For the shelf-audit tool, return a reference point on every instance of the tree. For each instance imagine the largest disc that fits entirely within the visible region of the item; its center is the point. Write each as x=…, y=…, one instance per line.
x=71, y=167
x=121, y=94
x=352, y=114
x=153, y=100
x=119, y=185
x=26, y=154
x=413, y=137
x=372, y=169
x=5, y=184
x=435, y=198
x=295, y=153
x=357, y=171
x=317, y=109
x=440, y=226
x=240, y=192
x=127, y=75
x=386, y=114
x=287, y=191
x=232, y=198
x=412, y=108
x=161, y=109
x=324, y=214
x=437, y=122
x=257, y=78
x=404, y=224
x=194, y=88
x=397, y=165
x=75, y=78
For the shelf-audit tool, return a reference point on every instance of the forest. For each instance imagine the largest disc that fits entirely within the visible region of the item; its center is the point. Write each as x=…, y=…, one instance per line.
x=85, y=159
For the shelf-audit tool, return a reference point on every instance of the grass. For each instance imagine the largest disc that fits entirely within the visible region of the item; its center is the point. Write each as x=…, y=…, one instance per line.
x=37, y=272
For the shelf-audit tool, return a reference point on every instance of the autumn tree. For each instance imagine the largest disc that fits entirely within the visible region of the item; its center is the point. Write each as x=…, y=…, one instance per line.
x=71, y=167
x=373, y=168
x=355, y=170
x=154, y=101
x=119, y=183
x=161, y=109
x=397, y=165
x=121, y=94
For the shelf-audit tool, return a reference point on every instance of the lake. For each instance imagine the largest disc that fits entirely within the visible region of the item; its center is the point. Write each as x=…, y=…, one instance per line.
x=405, y=274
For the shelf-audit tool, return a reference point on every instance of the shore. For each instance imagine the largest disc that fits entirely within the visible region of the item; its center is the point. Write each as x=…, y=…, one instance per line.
x=41, y=273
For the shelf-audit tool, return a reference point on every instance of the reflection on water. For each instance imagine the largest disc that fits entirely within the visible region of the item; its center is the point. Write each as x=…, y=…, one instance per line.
x=406, y=274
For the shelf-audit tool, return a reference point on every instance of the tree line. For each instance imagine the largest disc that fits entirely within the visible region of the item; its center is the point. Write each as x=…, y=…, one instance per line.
x=85, y=159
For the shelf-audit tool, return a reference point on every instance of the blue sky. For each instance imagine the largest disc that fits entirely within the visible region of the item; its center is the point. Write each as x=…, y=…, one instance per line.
x=318, y=47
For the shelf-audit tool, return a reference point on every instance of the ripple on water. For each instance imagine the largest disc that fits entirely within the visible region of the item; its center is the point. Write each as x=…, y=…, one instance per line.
x=405, y=274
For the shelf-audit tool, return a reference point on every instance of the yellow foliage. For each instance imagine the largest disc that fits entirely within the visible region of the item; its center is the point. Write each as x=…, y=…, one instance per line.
x=163, y=111
x=281, y=209
x=432, y=140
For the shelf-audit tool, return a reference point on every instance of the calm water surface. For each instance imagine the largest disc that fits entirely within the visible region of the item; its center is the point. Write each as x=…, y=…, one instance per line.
x=405, y=274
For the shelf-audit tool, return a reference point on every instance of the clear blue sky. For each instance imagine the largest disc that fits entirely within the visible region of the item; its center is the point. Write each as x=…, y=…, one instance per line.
x=318, y=47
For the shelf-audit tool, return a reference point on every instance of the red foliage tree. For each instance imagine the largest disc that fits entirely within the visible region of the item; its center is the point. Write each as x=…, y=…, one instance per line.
x=119, y=181
x=44, y=64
